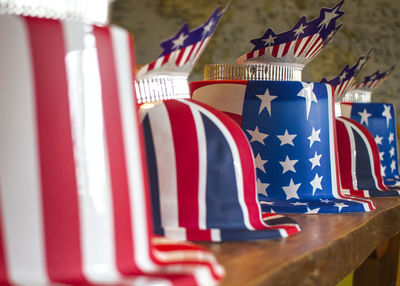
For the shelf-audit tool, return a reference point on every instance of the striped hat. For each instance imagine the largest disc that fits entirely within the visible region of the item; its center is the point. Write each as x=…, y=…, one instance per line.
x=73, y=179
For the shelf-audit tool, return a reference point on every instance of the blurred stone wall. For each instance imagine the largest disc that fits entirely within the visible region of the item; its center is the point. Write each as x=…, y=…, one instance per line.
x=366, y=24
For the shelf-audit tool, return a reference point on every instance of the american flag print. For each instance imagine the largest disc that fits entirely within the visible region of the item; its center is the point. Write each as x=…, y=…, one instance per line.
x=202, y=176
x=373, y=80
x=360, y=169
x=379, y=119
x=290, y=126
x=73, y=178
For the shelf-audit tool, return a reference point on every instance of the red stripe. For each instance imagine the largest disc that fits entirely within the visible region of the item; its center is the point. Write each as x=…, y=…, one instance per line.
x=297, y=44
x=59, y=187
x=305, y=45
x=275, y=50
x=286, y=49
x=4, y=280
x=178, y=59
x=151, y=65
x=198, y=234
x=166, y=58
x=187, y=162
x=116, y=153
x=313, y=46
x=190, y=54
x=261, y=52
x=250, y=55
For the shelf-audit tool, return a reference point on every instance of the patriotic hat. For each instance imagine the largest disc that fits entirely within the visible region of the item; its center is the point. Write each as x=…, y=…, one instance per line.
x=73, y=179
x=202, y=173
x=289, y=124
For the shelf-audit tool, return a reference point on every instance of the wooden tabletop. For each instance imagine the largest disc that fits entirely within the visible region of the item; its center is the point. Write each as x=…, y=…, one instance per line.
x=328, y=248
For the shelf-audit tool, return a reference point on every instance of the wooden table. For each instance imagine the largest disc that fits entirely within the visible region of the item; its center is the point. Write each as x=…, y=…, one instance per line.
x=324, y=252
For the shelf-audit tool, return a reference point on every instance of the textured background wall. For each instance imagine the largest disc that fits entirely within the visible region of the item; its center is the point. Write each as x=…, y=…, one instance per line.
x=366, y=24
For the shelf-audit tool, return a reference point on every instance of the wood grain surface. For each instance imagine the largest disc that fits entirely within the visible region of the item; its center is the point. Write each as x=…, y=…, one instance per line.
x=328, y=248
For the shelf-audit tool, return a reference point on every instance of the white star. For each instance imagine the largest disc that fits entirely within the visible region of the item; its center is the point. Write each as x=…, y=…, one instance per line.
x=325, y=201
x=262, y=187
x=286, y=138
x=179, y=41
x=386, y=113
x=391, y=152
x=361, y=63
x=267, y=203
x=207, y=28
x=378, y=139
x=314, y=136
x=391, y=137
x=266, y=99
x=316, y=183
x=272, y=211
x=340, y=206
x=381, y=155
x=299, y=30
x=328, y=16
x=393, y=165
x=315, y=160
x=288, y=165
x=308, y=93
x=383, y=171
x=364, y=116
x=257, y=136
x=299, y=204
x=269, y=41
x=342, y=76
x=291, y=190
x=260, y=162
x=312, y=211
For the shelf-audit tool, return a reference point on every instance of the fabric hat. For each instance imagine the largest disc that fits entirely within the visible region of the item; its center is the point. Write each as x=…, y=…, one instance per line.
x=360, y=169
x=74, y=190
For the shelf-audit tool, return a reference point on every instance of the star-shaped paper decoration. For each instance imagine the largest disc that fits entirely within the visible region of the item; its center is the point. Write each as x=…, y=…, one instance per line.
x=329, y=15
x=286, y=138
x=288, y=165
x=314, y=136
x=257, y=136
x=391, y=152
x=291, y=190
x=386, y=113
x=266, y=99
x=391, y=137
x=378, y=139
x=393, y=165
x=260, y=163
x=262, y=187
x=315, y=161
x=364, y=116
x=312, y=211
x=340, y=206
x=309, y=95
x=316, y=183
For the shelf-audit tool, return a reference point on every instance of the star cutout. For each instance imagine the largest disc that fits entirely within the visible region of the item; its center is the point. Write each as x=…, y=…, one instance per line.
x=288, y=165
x=286, y=138
x=272, y=211
x=291, y=190
x=299, y=30
x=391, y=137
x=383, y=171
x=343, y=76
x=267, y=203
x=316, y=183
x=207, y=28
x=312, y=211
x=179, y=41
x=340, y=206
x=391, y=152
x=393, y=165
x=262, y=187
x=260, y=163
x=266, y=99
x=269, y=41
x=381, y=155
x=314, y=136
x=378, y=139
x=328, y=17
x=386, y=113
x=299, y=204
x=257, y=136
x=308, y=93
x=325, y=201
x=364, y=116
x=315, y=160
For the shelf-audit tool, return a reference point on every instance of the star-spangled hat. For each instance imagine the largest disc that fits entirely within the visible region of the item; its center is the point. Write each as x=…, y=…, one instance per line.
x=74, y=194
x=289, y=124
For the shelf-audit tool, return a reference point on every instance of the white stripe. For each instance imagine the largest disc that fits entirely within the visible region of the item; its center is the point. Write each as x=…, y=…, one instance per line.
x=312, y=45
x=280, y=50
x=316, y=49
x=198, y=53
x=159, y=62
x=226, y=97
x=20, y=188
x=215, y=234
x=166, y=166
x=202, y=167
x=185, y=55
x=92, y=170
x=300, y=47
x=132, y=150
x=236, y=158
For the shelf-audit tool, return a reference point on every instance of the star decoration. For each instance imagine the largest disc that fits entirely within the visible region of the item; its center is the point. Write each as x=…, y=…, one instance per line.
x=269, y=41
x=340, y=206
x=378, y=139
x=391, y=137
x=328, y=17
x=314, y=136
x=364, y=116
x=315, y=160
x=288, y=165
x=179, y=41
x=291, y=190
x=257, y=136
x=386, y=113
x=383, y=171
x=325, y=201
x=343, y=76
x=286, y=138
x=207, y=28
x=381, y=156
x=266, y=99
x=260, y=162
x=393, y=165
x=316, y=183
x=299, y=30
x=267, y=203
x=299, y=204
x=262, y=187
x=312, y=211
x=391, y=152
x=272, y=211
x=308, y=93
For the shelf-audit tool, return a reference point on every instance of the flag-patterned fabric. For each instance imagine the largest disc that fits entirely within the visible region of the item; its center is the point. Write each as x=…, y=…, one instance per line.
x=73, y=178
x=373, y=80
x=202, y=176
x=290, y=126
x=379, y=119
x=360, y=170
